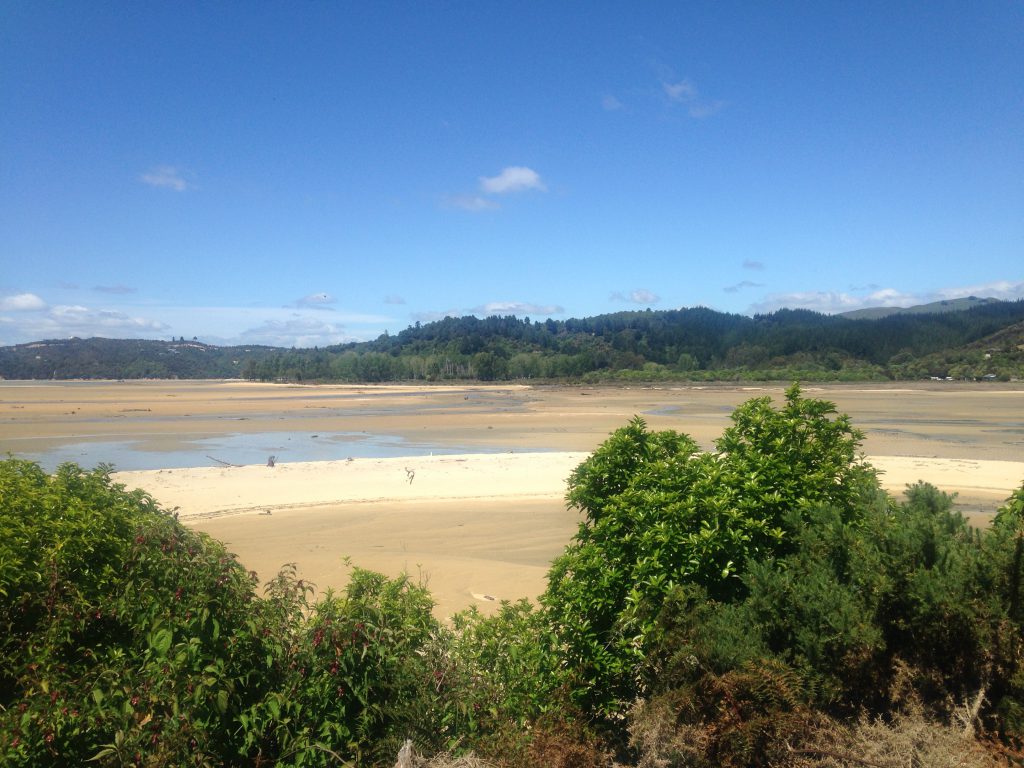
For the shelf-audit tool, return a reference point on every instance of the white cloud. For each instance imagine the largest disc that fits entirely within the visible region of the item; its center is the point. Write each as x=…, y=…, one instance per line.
x=218, y=325
x=831, y=302
x=66, y=320
x=431, y=316
x=514, y=178
x=76, y=317
x=393, y=299
x=517, y=308
x=279, y=326
x=21, y=302
x=998, y=289
x=751, y=264
x=166, y=176
x=638, y=296
x=316, y=301
x=610, y=104
x=297, y=331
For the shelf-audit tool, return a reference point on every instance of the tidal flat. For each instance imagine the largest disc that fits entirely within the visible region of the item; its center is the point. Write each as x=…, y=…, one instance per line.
x=461, y=485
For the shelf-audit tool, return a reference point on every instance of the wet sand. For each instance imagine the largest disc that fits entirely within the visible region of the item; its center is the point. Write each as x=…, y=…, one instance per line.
x=476, y=525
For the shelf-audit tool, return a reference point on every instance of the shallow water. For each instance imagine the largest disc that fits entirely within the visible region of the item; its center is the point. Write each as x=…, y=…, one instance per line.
x=239, y=448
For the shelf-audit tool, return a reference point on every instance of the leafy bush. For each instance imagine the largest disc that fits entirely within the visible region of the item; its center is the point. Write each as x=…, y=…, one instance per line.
x=123, y=635
x=907, y=605
x=344, y=671
x=658, y=514
x=129, y=639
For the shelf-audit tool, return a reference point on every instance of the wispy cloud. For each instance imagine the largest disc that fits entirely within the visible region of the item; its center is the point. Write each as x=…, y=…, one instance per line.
x=393, y=299
x=685, y=93
x=1007, y=290
x=751, y=264
x=431, y=316
x=166, y=176
x=832, y=302
x=637, y=296
x=706, y=109
x=514, y=178
x=472, y=203
x=517, y=308
x=316, y=301
x=610, y=104
x=66, y=320
x=680, y=92
x=741, y=285
x=24, y=319
x=21, y=302
x=114, y=289
x=297, y=331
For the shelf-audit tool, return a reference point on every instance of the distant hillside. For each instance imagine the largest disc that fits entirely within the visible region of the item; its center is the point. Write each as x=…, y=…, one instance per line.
x=695, y=344
x=947, y=305
x=998, y=356
x=98, y=358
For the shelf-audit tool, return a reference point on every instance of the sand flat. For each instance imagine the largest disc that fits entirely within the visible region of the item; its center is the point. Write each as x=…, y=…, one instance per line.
x=477, y=528
x=486, y=521
x=218, y=491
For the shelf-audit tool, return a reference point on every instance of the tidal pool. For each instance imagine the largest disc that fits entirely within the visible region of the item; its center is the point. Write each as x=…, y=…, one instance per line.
x=178, y=452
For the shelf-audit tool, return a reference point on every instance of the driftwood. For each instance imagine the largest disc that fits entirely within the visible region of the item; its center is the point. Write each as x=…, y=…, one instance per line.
x=221, y=461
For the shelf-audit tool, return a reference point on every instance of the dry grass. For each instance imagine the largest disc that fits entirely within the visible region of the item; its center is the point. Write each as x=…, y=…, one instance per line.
x=908, y=741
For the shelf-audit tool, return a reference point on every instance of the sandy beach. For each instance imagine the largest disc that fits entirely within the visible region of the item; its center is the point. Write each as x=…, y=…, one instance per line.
x=478, y=528
x=480, y=519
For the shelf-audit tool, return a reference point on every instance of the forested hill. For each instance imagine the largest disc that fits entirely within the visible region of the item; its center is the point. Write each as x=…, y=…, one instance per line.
x=986, y=340
x=127, y=359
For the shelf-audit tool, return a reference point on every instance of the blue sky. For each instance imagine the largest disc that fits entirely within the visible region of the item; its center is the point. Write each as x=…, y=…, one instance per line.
x=316, y=172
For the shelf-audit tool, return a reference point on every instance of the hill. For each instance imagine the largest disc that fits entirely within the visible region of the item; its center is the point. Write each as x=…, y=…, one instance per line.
x=946, y=305
x=686, y=344
x=99, y=358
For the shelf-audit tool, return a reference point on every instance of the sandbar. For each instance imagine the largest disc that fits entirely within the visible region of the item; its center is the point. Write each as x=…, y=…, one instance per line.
x=477, y=528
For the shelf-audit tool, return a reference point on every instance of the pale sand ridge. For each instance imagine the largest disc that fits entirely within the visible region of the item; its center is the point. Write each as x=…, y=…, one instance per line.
x=212, y=491
x=479, y=528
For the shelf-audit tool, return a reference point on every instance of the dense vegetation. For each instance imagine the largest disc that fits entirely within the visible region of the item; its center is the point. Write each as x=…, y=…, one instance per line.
x=986, y=340
x=765, y=604
x=127, y=359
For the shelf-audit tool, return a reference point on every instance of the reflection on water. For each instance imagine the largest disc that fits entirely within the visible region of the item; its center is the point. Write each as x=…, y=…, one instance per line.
x=252, y=448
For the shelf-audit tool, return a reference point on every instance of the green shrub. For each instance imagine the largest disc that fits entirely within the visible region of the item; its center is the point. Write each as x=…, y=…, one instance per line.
x=658, y=514
x=123, y=635
x=345, y=670
x=128, y=639
x=907, y=604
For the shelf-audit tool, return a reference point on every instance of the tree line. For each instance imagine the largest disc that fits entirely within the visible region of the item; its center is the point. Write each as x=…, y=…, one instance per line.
x=696, y=344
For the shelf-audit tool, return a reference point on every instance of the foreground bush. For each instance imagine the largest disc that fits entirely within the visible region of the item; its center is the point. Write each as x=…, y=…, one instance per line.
x=122, y=634
x=128, y=639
